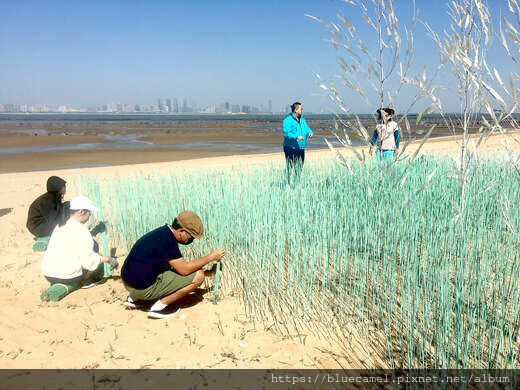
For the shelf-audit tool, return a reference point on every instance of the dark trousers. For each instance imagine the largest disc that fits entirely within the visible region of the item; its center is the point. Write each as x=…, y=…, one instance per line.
x=294, y=159
x=70, y=282
x=86, y=277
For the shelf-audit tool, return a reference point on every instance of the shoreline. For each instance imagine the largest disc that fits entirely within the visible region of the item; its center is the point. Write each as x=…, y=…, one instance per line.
x=68, y=161
x=58, y=144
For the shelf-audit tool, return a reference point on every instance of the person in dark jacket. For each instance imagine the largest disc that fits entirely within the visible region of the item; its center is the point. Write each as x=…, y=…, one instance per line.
x=48, y=209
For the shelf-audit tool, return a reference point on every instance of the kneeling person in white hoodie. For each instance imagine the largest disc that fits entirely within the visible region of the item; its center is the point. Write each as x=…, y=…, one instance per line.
x=70, y=258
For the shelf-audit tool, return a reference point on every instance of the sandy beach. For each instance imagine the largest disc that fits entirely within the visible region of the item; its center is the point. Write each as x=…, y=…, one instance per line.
x=91, y=329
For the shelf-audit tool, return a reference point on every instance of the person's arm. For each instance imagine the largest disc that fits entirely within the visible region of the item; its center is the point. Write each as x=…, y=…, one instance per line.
x=374, y=138
x=90, y=260
x=373, y=141
x=46, y=210
x=290, y=130
x=47, y=223
x=308, y=131
x=184, y=268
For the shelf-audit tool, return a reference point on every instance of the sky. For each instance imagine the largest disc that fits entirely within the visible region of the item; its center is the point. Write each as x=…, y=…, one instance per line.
x=239, y=51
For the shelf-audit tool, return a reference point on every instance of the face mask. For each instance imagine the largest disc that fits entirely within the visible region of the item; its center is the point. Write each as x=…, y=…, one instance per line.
x=187, y=242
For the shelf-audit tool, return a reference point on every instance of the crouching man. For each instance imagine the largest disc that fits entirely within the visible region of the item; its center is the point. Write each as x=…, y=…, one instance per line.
x=155, y=270
x=70, y=259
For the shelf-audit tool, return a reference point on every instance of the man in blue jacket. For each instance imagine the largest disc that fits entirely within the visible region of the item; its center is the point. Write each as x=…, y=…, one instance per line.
x=295, y=133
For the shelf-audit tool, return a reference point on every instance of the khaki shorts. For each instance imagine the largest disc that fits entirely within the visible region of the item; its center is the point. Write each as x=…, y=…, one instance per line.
x=167, y=283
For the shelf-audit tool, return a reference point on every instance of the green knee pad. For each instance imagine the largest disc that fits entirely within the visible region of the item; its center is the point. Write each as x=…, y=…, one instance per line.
x=40, y=245
x=57, y=292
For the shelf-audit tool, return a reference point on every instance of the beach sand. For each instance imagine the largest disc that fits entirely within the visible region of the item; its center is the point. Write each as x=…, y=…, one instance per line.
x=91, y=329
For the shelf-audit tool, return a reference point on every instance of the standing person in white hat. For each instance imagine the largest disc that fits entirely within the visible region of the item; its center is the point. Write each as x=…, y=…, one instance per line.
x=70, y=258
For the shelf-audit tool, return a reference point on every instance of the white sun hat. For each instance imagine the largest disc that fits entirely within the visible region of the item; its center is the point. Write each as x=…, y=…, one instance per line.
x=82, y=203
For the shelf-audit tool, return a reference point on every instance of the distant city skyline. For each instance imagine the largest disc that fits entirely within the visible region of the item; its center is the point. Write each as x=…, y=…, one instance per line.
x=85, y=54
x=164, y=105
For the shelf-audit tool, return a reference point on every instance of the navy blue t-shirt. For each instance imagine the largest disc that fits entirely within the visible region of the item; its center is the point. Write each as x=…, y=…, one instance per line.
x=149, y=256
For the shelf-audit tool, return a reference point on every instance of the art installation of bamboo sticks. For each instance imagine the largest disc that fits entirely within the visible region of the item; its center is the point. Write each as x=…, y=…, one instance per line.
x=339, y=250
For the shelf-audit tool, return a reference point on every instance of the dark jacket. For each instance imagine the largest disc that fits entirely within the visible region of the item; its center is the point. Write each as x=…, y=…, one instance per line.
x=47, y=210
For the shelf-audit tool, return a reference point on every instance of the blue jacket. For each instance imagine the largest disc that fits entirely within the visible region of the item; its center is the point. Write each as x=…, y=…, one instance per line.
x=292, y=129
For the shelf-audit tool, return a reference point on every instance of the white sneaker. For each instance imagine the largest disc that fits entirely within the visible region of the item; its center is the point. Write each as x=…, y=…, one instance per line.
x=163, y=313
x=91, y=284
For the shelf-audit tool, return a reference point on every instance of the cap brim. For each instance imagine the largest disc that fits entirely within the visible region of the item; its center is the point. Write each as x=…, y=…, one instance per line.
x=193, y=234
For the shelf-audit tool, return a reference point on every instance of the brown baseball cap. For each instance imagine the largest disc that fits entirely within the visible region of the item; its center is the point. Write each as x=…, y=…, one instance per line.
x=191, y=222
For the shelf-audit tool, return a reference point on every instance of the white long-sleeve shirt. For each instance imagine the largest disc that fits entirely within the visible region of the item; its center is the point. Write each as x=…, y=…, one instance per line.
x=70, y=250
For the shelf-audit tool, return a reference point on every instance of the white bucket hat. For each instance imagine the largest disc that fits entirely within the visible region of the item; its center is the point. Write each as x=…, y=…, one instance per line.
x=82, y=203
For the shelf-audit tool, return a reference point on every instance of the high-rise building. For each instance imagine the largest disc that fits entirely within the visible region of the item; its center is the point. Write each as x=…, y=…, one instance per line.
x=175, y=105
x=210, y=110
x=11, y=108
x=160, y=104
x=169, y=105
x=235, y=108
x=184, y=105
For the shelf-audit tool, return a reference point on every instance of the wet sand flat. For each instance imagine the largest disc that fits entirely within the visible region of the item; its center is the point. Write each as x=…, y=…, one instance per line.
x=54, y=144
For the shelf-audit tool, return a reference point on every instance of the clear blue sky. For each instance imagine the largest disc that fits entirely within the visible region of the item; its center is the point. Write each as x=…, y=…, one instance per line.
x=97, y=52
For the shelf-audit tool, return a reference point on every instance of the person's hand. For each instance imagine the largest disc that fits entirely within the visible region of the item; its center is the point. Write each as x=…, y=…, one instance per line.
x=113, y=263
x=213, y=270
x=217, y=254
x=105, y=259
x=310, y=135
x=300, y=138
